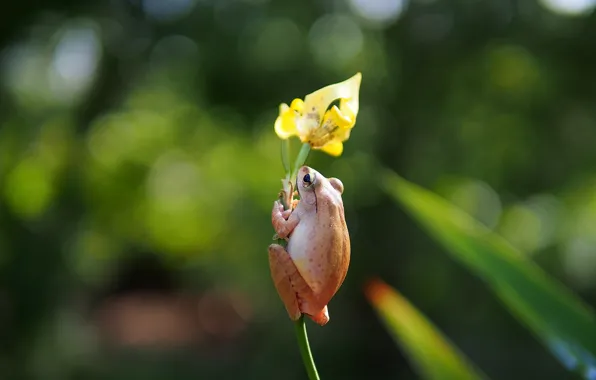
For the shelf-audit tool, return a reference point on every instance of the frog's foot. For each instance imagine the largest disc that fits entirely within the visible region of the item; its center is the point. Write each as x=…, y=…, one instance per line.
x=282, y=227
x=286, y=213
x=321, y=318
x=313, y=309
x=288, y=281
x=295, y=203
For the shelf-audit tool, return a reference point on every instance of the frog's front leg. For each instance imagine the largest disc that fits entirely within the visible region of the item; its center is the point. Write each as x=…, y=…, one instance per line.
x=291, y=287
x=284, y=221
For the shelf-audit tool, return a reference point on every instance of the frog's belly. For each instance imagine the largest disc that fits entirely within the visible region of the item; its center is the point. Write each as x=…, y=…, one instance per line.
x=300, y=245
x=316, y=257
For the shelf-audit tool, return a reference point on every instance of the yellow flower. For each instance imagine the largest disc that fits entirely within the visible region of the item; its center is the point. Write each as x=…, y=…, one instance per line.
x=315, y=123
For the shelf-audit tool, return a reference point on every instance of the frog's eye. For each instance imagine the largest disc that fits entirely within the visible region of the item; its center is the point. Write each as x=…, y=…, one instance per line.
x=309, y=179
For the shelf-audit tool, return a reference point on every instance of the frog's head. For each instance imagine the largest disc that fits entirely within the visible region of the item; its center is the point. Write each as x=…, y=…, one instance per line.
x=312, y=185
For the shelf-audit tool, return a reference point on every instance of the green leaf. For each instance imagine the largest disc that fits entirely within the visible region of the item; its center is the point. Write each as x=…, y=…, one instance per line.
x=432, y=355
x=560, y=320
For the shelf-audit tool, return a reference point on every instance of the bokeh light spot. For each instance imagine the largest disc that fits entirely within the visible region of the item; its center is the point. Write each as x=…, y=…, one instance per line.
x=178, y=218
x=75, y=62
x=476, y=198
x=137, y=136
x=532, y=225
x=513, y=69
x=173, y=181
x=569, y=7
x=335, y=40
x=89, y=254
x=273, y=45
x=579, y=261
x=24, y=74
x=522, y=228
x=379, y=11
x=581, y=218
x=29, y=189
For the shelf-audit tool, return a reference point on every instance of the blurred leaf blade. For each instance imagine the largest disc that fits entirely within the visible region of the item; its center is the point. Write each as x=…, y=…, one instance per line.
x=554, y=314
x=432, y=355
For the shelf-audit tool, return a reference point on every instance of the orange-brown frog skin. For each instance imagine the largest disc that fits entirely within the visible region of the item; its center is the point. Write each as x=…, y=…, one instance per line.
x=309, y=273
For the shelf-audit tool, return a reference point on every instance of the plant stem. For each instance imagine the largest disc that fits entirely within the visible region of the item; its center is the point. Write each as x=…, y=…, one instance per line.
x=301, y=159
x=285, y=155
x=307, y=359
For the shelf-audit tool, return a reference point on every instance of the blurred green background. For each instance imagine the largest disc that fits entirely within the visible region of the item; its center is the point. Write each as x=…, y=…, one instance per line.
x=138, y=165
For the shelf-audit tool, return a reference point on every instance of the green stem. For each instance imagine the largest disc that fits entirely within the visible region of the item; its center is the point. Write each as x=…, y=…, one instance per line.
x=307, y=359
x=301, y=159
x=285, y=155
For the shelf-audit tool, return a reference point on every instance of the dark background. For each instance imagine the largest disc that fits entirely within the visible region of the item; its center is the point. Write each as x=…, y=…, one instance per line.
x=138, y=165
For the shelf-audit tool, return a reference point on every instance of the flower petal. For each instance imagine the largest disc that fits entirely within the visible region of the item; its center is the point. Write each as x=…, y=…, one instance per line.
x=336, y=118
x=334, y=149
x=297, y=105
x=285, y=124
x=347, y=91
x=341, y=134
x=349, y=108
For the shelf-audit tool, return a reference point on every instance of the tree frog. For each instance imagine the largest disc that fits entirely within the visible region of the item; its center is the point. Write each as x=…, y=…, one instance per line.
x=310, y=271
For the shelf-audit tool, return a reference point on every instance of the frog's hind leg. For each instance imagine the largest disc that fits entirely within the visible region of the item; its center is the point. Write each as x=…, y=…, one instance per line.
x=288, y=281
x=320, y=318
x=292, y=288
